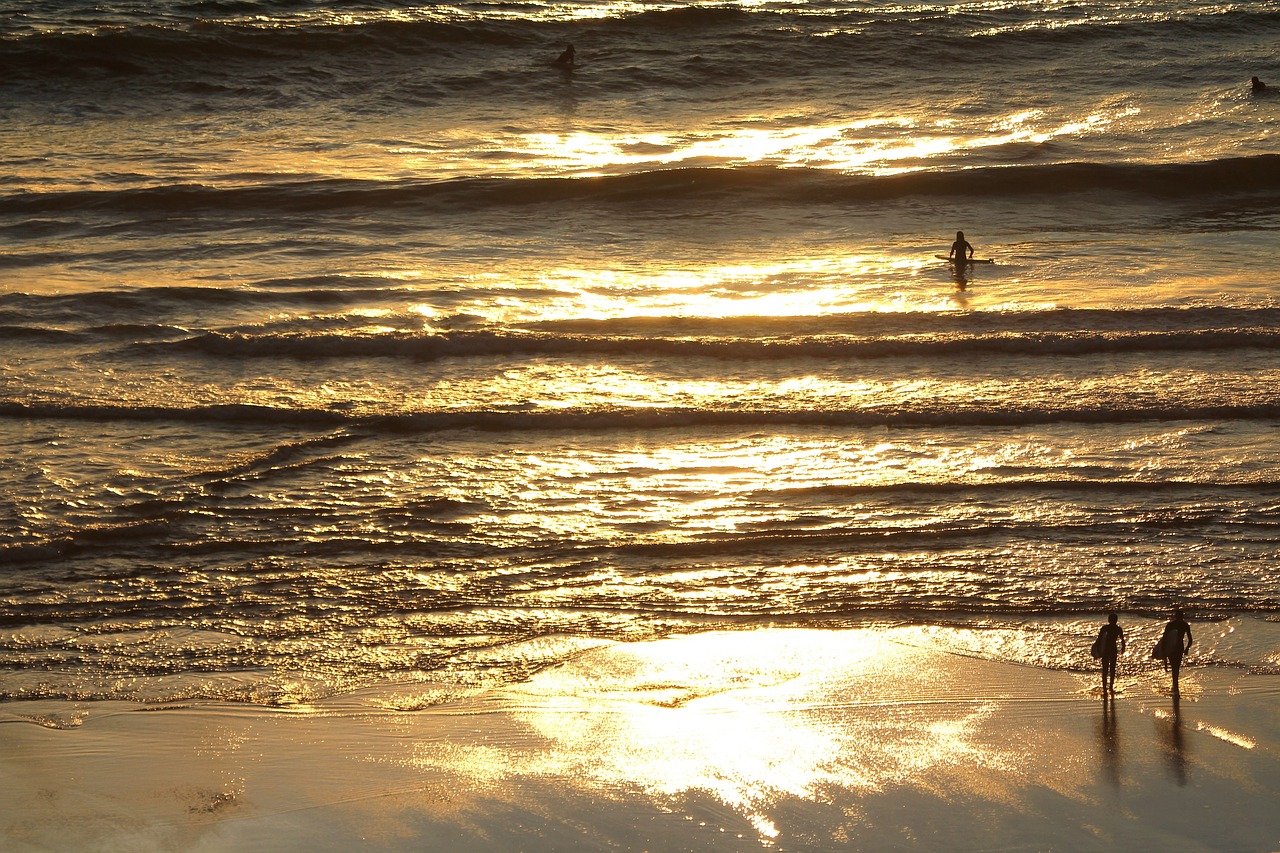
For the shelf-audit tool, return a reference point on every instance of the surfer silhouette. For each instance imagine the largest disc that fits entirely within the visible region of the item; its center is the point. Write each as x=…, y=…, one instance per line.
x=959, y=249
x=1257, y=85
x=567, y=59
x=1109, y=645
x=1174, y=643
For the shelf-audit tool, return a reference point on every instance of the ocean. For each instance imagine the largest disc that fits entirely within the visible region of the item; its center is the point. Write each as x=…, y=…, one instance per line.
x=358, y=348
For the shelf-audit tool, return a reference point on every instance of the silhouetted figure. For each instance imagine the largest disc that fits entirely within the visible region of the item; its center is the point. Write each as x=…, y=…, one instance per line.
x=1174, y=643
x=1109, y=646
x=1257, y=85
x=961, y=251
x=566, y=59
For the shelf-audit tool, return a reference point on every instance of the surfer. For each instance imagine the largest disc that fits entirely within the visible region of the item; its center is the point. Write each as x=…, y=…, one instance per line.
x=1172, y=646
x=959, y=249
x=566, y=59
x=1109, y=645
x=1257, y=85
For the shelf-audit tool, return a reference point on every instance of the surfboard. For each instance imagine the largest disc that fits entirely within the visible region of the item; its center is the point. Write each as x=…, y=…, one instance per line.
x=966, y=261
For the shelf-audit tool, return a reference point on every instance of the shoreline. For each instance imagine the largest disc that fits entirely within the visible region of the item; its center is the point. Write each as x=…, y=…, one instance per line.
x=773, y=738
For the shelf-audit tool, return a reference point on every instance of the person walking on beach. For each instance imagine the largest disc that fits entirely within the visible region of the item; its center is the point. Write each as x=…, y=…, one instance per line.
x=1109, y=645
x=1174, y=643
x=959, y=249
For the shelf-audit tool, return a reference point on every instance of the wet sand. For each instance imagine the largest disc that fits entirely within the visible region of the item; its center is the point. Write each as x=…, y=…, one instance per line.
x=770, y=739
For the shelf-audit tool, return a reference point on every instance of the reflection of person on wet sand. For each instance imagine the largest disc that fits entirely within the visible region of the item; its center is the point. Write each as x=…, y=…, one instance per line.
x=1174, y=643
x=1110, y=645
x=1169, y=730
x=1109, y=741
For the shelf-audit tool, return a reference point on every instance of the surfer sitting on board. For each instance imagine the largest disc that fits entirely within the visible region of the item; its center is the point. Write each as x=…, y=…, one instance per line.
x=1257, y=85
x=566, y=59
x=961, y=251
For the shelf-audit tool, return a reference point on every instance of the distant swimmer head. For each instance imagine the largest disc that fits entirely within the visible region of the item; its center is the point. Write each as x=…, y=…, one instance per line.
x=567, y=57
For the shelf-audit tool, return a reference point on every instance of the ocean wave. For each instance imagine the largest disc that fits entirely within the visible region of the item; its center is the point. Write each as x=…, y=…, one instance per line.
x=229, y=413
x=38, y=334
x=443, y=518
x=891, y=323
x=91, y=537
x=1156, y=24
x=70, y=315
x=150, y=48
x=846, y=540
x=631, y=419
x=1256, y=175
x=431, y=347
x=206, y=36
x=1039, y=485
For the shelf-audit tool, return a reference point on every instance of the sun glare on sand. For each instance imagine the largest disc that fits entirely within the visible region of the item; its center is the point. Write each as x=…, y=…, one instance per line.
x=747, y=718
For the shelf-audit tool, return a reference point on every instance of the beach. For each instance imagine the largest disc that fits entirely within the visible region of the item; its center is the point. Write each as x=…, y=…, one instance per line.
x=408, y=442
x=768, y=739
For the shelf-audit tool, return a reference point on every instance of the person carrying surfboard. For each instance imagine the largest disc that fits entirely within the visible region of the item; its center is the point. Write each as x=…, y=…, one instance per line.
x=1109, y=645
x=1174, y=643
x=961, y=251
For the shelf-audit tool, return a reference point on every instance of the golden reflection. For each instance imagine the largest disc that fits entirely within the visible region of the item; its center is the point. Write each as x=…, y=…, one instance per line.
x=1172, y=738
x=877, y=145
x=546, y=11
x=1228, y=736
x=607, y=387
x=586, y=152
x=809, y=287
x=792, y=146
x=749, y=718
x=1109, y=742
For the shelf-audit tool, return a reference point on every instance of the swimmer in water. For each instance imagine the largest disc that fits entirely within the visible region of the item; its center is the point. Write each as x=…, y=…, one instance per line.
x=961, y=251
x=566, y=59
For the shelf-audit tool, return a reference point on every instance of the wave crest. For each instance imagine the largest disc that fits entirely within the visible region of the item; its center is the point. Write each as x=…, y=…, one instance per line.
x=1256, y=175
x=628, y=419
